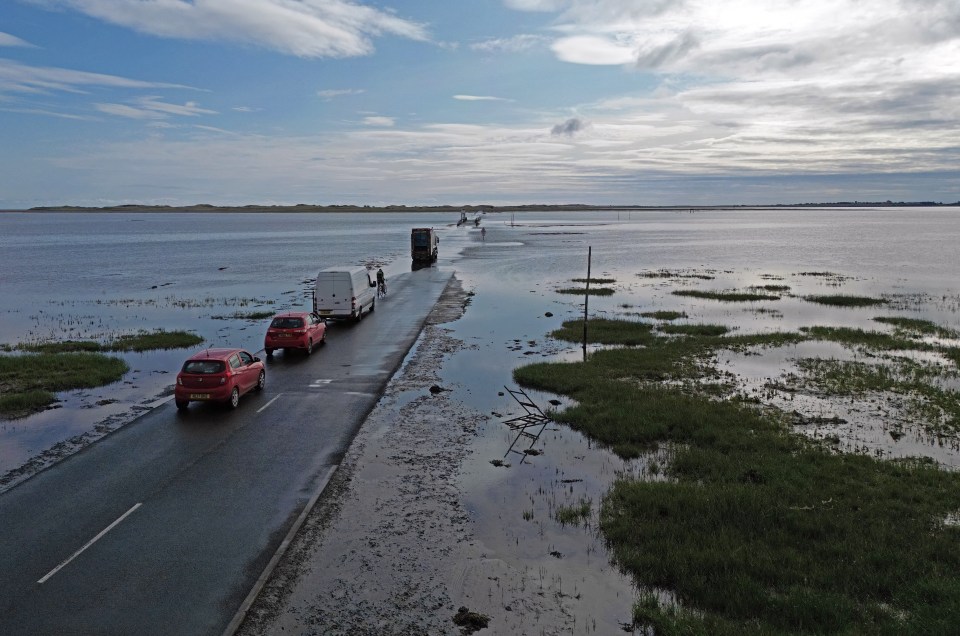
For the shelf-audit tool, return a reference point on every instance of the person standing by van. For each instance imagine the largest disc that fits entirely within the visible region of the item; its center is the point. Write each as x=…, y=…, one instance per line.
x=381, y=284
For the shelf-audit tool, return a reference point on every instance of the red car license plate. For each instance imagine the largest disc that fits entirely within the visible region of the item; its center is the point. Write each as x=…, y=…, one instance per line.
x=199, y=396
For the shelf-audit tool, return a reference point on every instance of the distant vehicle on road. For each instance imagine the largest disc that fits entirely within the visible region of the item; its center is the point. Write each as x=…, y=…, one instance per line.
x=344, y=292
x=295, y=330
x=218, y=375
x=423, y=244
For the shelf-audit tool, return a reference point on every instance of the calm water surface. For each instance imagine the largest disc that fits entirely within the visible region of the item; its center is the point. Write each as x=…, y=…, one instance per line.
x=95, y=275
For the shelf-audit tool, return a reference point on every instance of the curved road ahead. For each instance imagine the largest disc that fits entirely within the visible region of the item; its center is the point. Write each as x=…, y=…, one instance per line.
x=164, y=526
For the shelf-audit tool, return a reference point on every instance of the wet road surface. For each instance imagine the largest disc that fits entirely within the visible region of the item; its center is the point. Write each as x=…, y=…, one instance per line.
x=164, y=526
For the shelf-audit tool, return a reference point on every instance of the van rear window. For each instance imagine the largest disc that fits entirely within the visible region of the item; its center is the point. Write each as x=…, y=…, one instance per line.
x=287, y=323
x=203, y=366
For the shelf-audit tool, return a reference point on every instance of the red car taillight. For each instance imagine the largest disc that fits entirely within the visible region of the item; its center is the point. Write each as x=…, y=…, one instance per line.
x=179, y=380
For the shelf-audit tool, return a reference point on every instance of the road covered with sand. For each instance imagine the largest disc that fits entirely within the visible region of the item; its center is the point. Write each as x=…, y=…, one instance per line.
x=405, y=536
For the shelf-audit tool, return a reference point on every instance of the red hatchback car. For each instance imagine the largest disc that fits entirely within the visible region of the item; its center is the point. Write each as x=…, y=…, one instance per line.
x=295, y=330
x=218, y=375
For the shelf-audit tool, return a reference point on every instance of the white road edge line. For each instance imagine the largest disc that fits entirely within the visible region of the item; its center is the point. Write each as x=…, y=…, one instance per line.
x=241, y=614
x=88, y=544
x=269, y=403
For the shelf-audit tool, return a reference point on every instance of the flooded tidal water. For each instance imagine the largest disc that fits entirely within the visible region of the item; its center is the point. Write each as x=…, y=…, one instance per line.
x=98, y=275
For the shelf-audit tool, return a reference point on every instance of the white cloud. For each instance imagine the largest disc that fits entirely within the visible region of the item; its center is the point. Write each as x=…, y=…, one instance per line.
x=45, y=112
x=374, y=120
x=11, y=40
x=513, y=44
x=481, y=98
x=153, y=108
x=332, y=93
x=305, y=28
x=130, y=112
x=768, y=85
x=23, y=78
x=591, y=49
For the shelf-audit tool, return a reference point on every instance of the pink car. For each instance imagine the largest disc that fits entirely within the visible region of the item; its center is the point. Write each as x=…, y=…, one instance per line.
x=218, y=375
x=295, y=330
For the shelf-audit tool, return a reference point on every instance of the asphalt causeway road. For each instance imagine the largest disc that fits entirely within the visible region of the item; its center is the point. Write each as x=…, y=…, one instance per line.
x=164, y=526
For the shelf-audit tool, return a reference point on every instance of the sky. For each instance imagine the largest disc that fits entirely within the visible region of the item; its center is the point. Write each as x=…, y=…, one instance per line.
x=466, y=102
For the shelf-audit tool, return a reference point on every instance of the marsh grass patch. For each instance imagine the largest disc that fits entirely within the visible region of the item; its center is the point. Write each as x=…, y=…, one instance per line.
x=582, y=291
x=725, y=296
x=25, y=380
x=246, y=315
x=853, y=336
x=574, y=515
x=664, y=315
x=140, y=341
x=841, y=300
x=755, y=528
x=917, y=326
x=594, y=281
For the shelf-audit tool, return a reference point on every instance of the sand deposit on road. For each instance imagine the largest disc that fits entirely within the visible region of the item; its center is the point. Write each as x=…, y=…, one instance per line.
x=389, y=547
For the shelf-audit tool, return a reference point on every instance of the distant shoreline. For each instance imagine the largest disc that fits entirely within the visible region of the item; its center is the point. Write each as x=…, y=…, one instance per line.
x=470, y=209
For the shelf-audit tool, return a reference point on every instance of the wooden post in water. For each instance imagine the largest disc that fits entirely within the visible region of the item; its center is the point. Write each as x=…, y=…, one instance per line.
x=586, y=303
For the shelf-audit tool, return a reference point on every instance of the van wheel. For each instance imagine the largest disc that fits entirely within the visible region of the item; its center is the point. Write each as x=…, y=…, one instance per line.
x=373, y=305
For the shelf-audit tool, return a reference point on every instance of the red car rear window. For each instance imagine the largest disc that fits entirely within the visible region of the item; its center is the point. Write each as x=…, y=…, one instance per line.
x=203, y=366
x=287, y=323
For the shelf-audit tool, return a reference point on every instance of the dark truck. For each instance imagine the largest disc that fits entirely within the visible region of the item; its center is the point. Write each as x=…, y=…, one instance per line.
x=423, y=244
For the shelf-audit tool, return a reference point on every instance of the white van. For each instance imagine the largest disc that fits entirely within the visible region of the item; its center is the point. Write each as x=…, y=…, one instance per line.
x=344, y=292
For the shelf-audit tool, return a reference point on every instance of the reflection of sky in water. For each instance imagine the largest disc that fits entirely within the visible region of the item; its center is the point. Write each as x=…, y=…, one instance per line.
x=97, y=275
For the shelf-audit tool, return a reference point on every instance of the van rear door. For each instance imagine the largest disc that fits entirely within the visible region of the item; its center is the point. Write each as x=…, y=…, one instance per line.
x=333, y=294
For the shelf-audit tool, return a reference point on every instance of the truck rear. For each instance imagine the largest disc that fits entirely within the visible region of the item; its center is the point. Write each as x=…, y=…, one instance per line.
x=423, y=244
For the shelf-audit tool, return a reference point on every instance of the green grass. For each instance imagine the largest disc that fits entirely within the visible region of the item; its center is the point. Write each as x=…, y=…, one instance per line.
x=21, y=404
x=917, y=326
x=574, y=515
x=937, y=410
x=953, y=354
x=247, y=315
x=147, y=341
x=773, y=288
x=142, y=341
x=693, y=330
x=756, y=530
x=730, y=297
x=664, y=315
x=839, y=300
x=604, y=331
x=64, y=346
x=598, y=281
x=581, y=291
x=28, y=381
x=858, y=337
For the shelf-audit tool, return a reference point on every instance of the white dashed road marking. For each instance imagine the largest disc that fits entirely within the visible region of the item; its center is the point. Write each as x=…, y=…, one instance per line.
x=88, y=544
